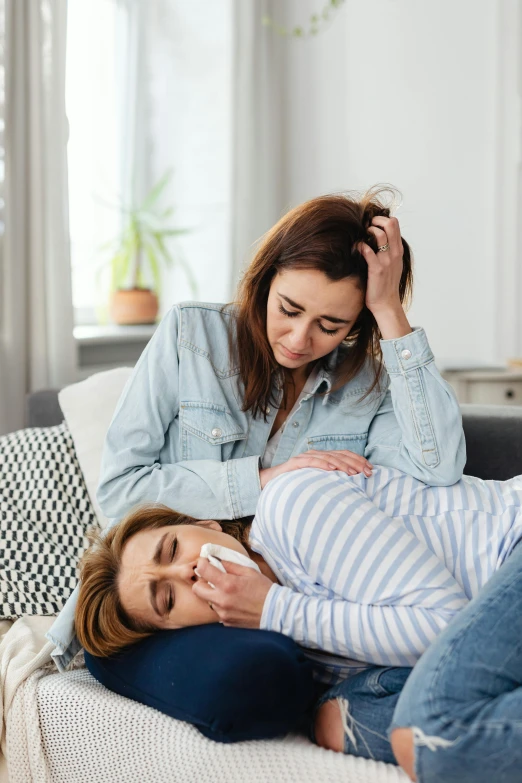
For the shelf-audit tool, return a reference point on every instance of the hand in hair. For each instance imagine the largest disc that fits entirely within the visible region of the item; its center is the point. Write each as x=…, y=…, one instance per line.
x=385, y=270
x=238, y=596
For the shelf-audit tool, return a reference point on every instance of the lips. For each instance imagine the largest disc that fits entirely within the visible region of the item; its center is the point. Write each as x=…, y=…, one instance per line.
x=290, y=354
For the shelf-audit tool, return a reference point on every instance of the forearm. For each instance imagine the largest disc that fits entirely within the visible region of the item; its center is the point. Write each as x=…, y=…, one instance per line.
x=418, y=428
x=204, y=489
x=392, y=322
x=381, y=635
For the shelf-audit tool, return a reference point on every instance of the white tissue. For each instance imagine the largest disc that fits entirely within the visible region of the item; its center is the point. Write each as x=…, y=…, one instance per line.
x=216, y=553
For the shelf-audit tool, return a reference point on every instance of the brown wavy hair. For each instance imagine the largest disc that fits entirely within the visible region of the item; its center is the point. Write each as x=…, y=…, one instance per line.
x=320, y=234
x=102, y=625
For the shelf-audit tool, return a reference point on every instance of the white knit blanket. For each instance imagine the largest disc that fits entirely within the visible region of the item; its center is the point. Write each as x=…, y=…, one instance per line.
x=67, y=728
x=23, y=651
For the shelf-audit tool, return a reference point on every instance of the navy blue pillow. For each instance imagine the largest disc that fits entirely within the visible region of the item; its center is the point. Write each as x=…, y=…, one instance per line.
x=231, y=683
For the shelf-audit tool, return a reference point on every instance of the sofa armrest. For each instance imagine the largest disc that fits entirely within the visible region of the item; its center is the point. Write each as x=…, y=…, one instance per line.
x=42, y=409
x=493, y=440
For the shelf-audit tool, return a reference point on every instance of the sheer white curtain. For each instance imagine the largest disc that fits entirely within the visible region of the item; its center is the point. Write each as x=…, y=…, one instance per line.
x=37, y=348
x=258, y=127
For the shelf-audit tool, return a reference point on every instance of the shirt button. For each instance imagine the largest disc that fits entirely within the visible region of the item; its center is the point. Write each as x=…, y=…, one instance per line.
x=216, y=432
x=268, y=410
x=406, y=354
x=295, y=424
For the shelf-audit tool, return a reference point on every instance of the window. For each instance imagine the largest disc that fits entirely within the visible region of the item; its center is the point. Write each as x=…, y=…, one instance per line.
x=151, y=94
x=2, y=128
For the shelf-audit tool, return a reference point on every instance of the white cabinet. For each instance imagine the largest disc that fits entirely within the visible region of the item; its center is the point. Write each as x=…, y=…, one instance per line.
x=487, y=387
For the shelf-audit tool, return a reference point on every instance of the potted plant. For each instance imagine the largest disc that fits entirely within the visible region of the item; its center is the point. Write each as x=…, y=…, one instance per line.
x=141, y=246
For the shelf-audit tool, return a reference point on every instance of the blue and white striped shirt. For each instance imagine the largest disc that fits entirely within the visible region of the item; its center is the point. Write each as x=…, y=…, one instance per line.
x=372, y=569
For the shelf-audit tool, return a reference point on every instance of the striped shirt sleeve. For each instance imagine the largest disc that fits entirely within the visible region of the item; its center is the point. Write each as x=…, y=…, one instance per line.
x=375, y=592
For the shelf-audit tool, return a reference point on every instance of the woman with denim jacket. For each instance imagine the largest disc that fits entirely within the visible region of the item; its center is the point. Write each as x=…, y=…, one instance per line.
x=225, y=398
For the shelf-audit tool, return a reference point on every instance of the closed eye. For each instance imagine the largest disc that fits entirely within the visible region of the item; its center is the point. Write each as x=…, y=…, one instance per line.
x=289, y=313
x=294, y=313
x=170, y=595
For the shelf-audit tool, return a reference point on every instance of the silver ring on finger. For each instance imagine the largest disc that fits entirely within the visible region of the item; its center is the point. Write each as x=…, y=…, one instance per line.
x=383, y=248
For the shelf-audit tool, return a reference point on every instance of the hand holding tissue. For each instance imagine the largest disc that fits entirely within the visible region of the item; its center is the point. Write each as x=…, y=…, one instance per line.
x=235, y=591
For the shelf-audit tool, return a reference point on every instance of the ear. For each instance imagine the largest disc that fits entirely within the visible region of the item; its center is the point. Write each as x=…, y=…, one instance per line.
x=213, y=524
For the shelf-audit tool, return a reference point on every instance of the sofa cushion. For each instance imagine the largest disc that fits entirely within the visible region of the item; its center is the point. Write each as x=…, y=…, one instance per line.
x=231, y=683
x=88, y=407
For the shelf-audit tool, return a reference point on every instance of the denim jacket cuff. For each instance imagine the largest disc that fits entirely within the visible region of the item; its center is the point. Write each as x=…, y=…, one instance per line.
x=244, y=485
x=406, y=353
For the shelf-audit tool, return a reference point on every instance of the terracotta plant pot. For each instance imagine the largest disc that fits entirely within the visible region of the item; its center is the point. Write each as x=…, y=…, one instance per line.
x=133, y=306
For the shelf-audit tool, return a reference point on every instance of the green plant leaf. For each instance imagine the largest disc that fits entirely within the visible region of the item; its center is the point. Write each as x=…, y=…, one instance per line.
x=107, y=245
x=174, y=232
x=156, y=191
x=167, y=257
x=142, y=241
x=154, y=266
x=140, y=280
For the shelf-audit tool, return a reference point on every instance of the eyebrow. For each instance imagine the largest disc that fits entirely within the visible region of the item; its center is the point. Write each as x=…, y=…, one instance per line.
x=331, y=318
x=154, y=585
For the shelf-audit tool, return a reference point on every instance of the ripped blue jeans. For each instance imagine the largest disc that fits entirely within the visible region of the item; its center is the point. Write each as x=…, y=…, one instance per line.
x=463, y=699
x=367, y=702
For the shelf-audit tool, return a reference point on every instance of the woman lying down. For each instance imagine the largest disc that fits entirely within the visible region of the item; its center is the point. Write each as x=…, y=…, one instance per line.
x=364, y=572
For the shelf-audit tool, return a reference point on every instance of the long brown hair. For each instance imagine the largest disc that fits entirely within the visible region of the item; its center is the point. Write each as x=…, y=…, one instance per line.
x=320, y=234
x=102, y=625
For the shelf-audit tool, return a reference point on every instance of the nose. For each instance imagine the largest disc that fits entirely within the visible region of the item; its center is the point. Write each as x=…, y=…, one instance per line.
x=180, y=572
x=300, y=337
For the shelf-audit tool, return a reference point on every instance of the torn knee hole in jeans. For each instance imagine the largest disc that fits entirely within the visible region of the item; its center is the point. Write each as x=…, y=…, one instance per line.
x=352, y=728
x=431, y=742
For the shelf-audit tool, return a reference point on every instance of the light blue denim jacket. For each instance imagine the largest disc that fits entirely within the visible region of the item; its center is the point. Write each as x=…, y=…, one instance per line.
x=179, y=437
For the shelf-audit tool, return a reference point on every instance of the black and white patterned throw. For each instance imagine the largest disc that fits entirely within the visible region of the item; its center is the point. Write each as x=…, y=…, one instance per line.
x=45, y=511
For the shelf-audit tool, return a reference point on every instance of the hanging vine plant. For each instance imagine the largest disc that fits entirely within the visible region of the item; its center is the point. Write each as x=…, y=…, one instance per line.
x=317, y=22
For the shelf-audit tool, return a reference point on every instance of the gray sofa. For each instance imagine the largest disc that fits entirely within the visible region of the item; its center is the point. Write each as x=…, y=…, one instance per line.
x=136, y=743
x=493, y=433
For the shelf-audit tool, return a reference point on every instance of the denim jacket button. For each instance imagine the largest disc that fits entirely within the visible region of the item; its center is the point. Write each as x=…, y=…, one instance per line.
x=406, y=354
x=295, y=424
x=268, y=411
x=216, y=432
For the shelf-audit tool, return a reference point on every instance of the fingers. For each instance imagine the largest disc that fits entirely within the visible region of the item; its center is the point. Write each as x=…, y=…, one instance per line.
x=346, y=461
x=387, y=229
x=356, y=460
x=240, y=596
x=215, y=578
x=236, y=569
x=205, y=592
x=380, y=236
x=205, y=570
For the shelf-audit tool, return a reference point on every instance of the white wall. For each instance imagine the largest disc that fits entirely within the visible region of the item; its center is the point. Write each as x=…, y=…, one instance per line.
x=407, y=92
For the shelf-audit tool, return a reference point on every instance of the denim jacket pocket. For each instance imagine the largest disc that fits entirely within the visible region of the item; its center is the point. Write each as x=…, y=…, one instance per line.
x=355, y=442
x=214, y=428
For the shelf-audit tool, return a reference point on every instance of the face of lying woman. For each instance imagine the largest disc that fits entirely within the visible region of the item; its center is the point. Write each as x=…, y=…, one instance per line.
x=157, y=574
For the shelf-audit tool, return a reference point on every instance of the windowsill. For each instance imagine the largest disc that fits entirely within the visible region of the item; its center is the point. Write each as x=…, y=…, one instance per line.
x=112, y=334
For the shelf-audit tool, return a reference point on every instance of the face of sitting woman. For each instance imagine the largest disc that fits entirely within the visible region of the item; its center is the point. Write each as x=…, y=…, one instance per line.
x=308, y=315
x=158, y=570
